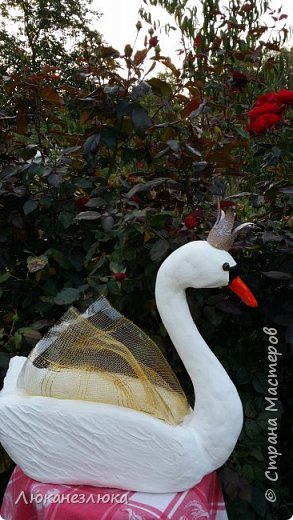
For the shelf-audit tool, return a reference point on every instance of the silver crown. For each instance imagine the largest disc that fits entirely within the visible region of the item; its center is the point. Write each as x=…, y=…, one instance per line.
x=222, y=234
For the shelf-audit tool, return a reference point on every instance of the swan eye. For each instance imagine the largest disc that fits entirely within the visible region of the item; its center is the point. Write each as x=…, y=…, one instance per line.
x=226, y=266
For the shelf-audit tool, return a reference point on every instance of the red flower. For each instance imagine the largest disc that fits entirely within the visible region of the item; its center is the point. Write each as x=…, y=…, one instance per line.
x=266, y=108
x=286, y=96
x=226, y=204
x=136, y=199
x=270, y=97
x=263, y=123
x=119, y=277
x=153, y=41
x=80, y=203
x=240, y=80
x=139, y=165
x=197, y=40
x=191, y=221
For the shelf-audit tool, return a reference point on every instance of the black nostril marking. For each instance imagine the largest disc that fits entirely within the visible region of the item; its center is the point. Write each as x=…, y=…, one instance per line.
x=233, y=272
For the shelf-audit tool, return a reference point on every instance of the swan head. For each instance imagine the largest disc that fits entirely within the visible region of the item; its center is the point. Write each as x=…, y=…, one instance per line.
x=200, y=265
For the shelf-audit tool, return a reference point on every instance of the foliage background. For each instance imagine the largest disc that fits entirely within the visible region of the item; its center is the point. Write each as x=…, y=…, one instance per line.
x=102, y=160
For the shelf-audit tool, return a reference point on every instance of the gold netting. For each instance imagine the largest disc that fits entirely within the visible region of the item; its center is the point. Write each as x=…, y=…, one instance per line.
x=102, y=356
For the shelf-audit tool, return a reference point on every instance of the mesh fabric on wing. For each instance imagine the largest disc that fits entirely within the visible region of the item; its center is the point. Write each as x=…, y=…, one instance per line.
x=101, y=356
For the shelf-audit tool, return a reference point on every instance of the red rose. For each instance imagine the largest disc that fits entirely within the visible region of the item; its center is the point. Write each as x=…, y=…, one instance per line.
x=191, y=221
x=153, y=41
x=226, y=204
x=80, y=203
x=266, y=108
x=238, y=75
x=270, y=97
x=263, y=123
x=119, y=277
x=240, y=80
x=136, y=199
x=286, y=96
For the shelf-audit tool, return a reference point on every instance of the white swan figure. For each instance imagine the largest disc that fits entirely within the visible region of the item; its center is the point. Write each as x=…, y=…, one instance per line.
x=66, y=441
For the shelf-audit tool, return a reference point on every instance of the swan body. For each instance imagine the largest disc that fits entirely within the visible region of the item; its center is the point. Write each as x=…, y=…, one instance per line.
x=70, y=441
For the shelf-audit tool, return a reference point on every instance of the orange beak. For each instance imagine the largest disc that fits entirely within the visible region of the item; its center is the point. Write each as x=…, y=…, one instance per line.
x=240, y=288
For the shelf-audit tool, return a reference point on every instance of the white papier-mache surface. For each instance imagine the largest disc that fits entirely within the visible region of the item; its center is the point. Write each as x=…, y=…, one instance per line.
x=64, y=441
x=80, y=442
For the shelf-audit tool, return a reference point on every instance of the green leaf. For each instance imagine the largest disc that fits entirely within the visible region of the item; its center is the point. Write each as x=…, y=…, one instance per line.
x=90, y=149
x=258, y=500
x=88, y=215
x=174, y=145
x=160, y=88
x=30, y=206
x=159, y=250
x=247, y=472
x=32, y=336
x=123, y=108
x=47, y=299
x=36, y=263
x=109, y=136
x=113, y=287
x=59, y=257
x=4, y=360
x=140, y=119
x=243, y=376
x=250, y=410
x=128, y=286
x=5, y=461
x=41, y=324
x=260, y=384
x=99, y=264
x=148, y=186
x=66, y=218
x=240, y=131
x=137, y=213
x=4, y=277
x=140, y=90
x=193, y=151
x=251, y=428
x=55, y=179
x=67, y=296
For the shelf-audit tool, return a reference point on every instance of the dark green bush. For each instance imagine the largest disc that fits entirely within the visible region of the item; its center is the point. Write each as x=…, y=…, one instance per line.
x=121, y=162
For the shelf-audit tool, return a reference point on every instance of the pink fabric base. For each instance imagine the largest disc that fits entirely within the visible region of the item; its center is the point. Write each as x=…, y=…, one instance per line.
x=26, y=499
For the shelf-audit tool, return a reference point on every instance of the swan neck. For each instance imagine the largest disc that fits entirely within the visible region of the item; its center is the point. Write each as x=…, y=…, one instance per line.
x=217, y=417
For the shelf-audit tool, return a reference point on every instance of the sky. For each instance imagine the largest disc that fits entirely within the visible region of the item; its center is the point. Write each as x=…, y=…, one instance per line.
x=119, y=20
x=120, y=17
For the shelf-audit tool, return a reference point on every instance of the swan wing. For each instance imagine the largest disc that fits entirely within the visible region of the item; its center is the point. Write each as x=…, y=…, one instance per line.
x=102, y=356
